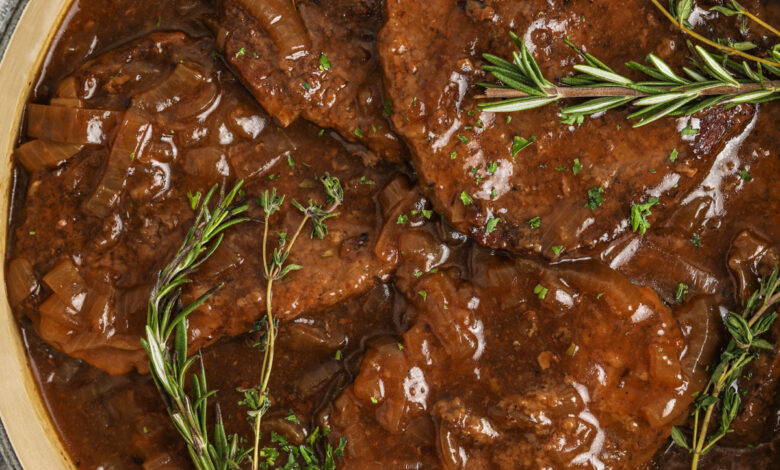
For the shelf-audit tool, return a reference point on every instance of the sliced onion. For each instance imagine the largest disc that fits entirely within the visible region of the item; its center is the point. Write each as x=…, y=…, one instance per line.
x=394, y=193
x=21, y=280
x=280, y=19
x=57, y=321
x=67, y=284
x=68, y=88
x=70, y=125
x=185, y=93
x=294, y=432
x=131, y=140
x=99, y=308
x=314, y=379
x=305, y=337
x=67, y=102
x=209, y=163
x=162, y=461
x=132, y=301
x=40, y=155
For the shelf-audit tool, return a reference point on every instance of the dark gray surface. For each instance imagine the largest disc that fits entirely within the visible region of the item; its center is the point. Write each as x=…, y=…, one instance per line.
x=10, y=10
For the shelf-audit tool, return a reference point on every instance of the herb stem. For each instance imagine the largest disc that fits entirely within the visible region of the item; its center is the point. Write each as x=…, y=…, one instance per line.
x=711, y=43
x=756, y=19
x=566, y=92
x=272, y=273
x=726, y=378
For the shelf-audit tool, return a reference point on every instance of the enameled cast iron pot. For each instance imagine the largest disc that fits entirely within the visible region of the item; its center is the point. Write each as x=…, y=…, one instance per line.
x=29, y=440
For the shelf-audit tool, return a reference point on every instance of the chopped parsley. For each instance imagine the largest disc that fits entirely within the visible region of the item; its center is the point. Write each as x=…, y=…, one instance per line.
x=696, y=240
x=673, y=156
x=491, y=224
x=508, y=119
x=745, y=175
x=595, y=197
x=557, y=249
x=132, y=156
x=639, y=213
x=427, y=213
x=306, y=86
x=681, y=292
x=453, y=154
x=536, y=222
x=359, y=133
x=402, y=219
x=463, y=139
x=338, y=355
x=388, y=107
x=374, y=400
x=519, y=143
x=290, y=161
x=240, y=52
x=491, y=169
x=324, y=62
x=541, y=291
x=573, y=119
x=689, y=131
x=465, y=198
x=577, y=167
x=364, y=180
x=423, y=294
x=320, y=132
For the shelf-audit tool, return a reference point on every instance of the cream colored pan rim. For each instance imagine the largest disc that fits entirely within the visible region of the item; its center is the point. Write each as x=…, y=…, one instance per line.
x=32, y=435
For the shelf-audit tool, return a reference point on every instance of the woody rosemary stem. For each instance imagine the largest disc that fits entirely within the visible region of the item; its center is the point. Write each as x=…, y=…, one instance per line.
x=595, y=92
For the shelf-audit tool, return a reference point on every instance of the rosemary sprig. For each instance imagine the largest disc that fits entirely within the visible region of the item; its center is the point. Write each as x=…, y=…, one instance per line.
x=166, y=317
x=257, y=399
x=711, y=79
x=756, y=319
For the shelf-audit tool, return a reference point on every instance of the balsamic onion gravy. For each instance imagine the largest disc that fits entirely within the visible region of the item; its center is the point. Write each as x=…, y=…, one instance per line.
x=473, y=303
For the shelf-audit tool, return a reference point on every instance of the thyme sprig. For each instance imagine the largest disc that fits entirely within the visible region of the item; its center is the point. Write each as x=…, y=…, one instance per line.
x=710, y=79
x=680, y=11
x=257, y=399
x=744, y=347
x=167, y=317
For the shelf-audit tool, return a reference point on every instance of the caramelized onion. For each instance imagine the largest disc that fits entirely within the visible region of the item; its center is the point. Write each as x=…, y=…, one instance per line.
x=40, y=155
x=21, y=280
x=70, y=125
x=314, y=379
x=162, y=461
x=280, y=19
x=394, y=193
x=130, y=142
x=68, y=88
x=185, y=93
x=209, y=163
x=294, y=432
x=305, y=337
x=99, y=307
x=58, y=321
x=67, y=102
x=67, y=284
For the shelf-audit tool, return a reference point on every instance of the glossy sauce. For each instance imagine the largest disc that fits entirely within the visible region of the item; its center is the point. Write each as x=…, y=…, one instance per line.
x=421, y=347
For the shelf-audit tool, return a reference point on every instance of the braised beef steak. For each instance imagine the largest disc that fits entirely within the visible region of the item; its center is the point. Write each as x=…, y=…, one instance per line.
x=573, y=186
x=318, y=61
x=524, y=366
x=180, y=124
